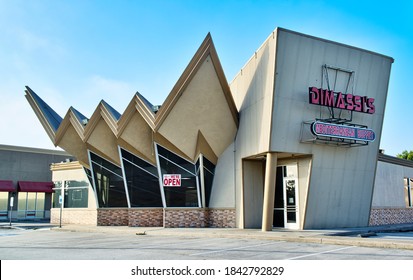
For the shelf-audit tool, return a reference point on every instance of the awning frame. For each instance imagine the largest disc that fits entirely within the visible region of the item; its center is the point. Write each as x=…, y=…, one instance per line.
x=7, y=186
x=31, y=186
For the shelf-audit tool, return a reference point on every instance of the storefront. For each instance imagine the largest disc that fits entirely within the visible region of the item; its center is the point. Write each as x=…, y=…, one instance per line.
x=25, y=182
x=73, y=199
x=291, y=142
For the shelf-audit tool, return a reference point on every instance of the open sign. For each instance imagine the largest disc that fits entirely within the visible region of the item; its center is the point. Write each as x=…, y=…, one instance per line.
x=172, y=180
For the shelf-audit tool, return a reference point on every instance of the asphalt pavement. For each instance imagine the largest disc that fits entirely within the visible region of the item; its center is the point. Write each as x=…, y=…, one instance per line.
x=398, y=236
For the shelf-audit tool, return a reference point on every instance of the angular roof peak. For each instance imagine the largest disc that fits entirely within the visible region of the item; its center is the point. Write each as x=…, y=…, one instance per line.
x=80, y=117
x=115, y=114
x=52, y=118
x=206, y=49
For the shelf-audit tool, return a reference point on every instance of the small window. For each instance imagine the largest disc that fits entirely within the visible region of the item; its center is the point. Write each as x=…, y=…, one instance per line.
x=408, y=191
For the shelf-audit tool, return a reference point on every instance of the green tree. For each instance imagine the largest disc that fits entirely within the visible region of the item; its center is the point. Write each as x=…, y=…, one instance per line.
x=406, y=155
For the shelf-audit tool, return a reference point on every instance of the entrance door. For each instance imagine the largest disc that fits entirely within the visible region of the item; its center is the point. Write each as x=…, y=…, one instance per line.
x=291, y=207
x=286, y=198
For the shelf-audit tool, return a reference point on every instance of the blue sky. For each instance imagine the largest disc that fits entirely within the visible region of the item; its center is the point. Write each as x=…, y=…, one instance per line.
x=77, y=52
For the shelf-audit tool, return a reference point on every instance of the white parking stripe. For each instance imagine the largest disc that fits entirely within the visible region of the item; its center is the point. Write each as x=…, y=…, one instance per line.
x=321, y=253
x=236, y=248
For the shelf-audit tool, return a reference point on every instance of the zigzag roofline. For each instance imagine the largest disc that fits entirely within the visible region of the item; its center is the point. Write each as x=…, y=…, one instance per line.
x=57, y=127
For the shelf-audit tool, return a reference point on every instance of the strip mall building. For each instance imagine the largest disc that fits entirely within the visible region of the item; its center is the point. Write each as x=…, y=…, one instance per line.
x=292, y=141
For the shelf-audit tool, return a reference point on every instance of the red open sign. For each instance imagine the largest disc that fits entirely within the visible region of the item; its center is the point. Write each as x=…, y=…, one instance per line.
x=172, y=180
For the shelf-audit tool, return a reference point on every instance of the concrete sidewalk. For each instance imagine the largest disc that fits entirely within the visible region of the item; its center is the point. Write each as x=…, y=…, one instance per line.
x=362, y=237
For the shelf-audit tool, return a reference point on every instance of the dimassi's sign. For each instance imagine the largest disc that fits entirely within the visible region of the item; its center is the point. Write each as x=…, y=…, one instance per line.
x=351, y=102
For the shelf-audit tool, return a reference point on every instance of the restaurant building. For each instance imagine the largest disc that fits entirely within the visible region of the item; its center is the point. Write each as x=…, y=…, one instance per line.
x=293, y=141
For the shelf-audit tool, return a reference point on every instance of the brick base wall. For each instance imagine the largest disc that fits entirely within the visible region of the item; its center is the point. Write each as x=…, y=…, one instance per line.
x=77, y=216
x=221, y=218
x=388, y=216
x=149, y=217
x=199, y=218
x=113, y=217
x=145, y=217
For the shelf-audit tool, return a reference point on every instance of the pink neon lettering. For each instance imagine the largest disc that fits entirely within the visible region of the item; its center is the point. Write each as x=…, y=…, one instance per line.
x=329, y=98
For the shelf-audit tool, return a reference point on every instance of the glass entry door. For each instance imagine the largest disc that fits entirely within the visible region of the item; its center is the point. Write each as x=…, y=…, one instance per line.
x=286, y=197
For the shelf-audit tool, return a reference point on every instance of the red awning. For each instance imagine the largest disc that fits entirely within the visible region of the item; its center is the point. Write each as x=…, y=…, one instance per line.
x=7, y=186
x=28, y=186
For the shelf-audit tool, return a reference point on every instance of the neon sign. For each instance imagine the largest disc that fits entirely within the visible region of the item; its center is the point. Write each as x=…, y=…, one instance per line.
x=329, y=98
x=342, y=131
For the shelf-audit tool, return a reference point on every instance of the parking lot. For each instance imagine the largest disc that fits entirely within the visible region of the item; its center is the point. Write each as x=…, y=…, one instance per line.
x=46, y=244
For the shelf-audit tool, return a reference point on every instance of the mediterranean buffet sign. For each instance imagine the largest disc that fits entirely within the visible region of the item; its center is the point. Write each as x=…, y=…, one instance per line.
x=351, y=102
x=172, y=180
x=342, y=131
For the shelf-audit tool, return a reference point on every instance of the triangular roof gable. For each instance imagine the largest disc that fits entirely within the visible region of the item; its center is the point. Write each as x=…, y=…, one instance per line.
x=73, y=118
x=70, y=135
x=102, y=111
x=206, y=49
x=141, y=105
x=203, y=147
x=102, y=124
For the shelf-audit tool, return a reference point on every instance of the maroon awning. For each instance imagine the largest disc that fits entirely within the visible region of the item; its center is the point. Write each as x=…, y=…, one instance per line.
x=7, y=186
x=29, y=186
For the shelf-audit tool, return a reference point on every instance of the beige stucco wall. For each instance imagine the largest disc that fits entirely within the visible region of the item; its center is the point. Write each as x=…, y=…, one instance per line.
x=389, y=185
x=103, y=141
x=252, y=89
x=223, y=190
x=138, y=134
x=201, y=107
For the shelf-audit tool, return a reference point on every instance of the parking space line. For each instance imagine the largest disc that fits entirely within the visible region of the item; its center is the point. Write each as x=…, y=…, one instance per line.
x=321, y=253
x=236, y=248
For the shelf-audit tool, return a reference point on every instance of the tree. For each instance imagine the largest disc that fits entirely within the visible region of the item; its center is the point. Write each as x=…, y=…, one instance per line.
x=406, y=155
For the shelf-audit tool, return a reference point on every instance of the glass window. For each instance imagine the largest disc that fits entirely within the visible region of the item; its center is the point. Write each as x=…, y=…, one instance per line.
x=109, y=186
x=76, y=194
x=57, y=192
x=89, y=175
x=30, y=205
x=4, y=199
x=140, y=163
x=31, y=201
x=198, y=174
x=186, y=194
x=408, y=192
x=21, y=205
x=40, y=201
x=142, y=181
x=209, y=171
x=106, y=164
x=183, y=163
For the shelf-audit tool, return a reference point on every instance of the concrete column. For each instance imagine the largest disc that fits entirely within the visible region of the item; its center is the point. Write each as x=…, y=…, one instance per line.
x=269, y=191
